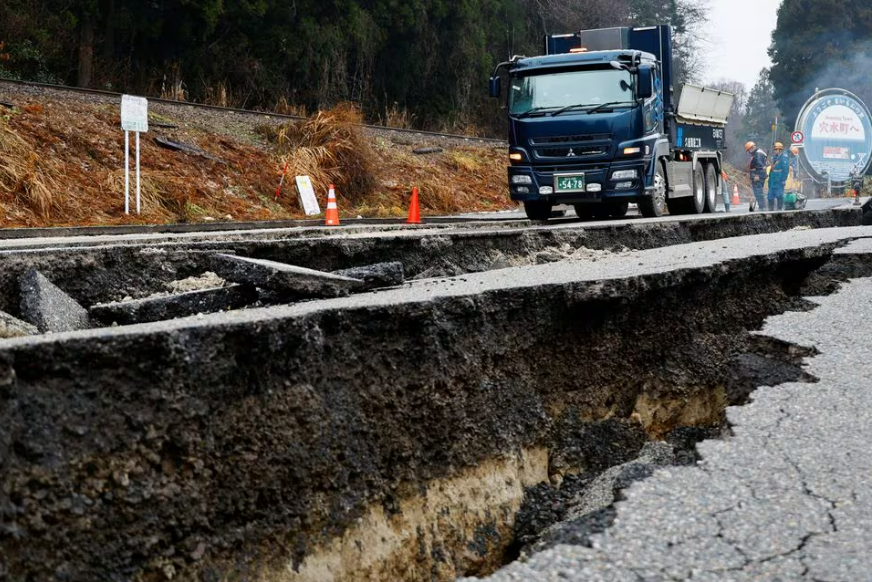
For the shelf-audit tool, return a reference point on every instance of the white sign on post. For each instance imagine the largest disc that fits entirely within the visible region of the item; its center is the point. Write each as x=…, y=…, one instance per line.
x=134, y=113
x=134, y=117
x=307, y=196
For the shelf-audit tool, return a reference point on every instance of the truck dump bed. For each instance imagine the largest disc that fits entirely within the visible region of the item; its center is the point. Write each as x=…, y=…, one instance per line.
x=701, y=118
x=703, y=105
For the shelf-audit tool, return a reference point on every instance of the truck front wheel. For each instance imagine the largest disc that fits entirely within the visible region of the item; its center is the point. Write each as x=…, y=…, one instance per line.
x=655, y=204
x=617, y=209
x=538, y=209
x=585, y=211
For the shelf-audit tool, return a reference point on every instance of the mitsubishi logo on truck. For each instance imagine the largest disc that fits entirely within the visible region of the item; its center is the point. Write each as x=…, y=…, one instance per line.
x=571, y=153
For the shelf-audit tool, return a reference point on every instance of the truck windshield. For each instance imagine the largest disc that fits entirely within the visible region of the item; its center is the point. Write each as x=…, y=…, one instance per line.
x=542, y=93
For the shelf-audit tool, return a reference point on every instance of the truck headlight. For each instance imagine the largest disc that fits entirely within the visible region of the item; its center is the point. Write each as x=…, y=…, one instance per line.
x=632, y=151
x=624, y=175
x=521, y=179
x=623, y=185
x=594, y=187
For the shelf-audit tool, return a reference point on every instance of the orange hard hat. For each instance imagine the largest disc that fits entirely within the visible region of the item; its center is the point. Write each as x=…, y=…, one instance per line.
x=779, y=145
x=749, y=145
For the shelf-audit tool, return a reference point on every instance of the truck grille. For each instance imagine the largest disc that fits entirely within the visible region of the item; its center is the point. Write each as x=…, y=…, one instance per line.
x=574, y=152
x=579, y=139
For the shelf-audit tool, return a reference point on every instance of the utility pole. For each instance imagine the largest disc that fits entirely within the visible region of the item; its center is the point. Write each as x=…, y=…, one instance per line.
x=774, y=134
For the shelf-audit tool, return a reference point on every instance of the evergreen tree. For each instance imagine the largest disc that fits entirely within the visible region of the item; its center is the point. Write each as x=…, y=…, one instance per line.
x=735, y=132
x=761, y=111
x=428, y=57
x=821, y=44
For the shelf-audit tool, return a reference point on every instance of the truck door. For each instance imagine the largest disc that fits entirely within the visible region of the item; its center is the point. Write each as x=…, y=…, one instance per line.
x=653, y=107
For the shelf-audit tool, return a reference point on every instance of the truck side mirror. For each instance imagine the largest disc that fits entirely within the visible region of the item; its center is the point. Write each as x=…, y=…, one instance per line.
x=494, y=87
x=646, y=82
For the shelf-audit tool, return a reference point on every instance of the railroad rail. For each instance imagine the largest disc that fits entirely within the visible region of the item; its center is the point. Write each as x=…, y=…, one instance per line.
x=114, y=94
x=220, y=226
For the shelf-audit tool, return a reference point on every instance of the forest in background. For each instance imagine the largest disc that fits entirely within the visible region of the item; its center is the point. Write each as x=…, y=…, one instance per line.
x=412, y=63
x=406, y=63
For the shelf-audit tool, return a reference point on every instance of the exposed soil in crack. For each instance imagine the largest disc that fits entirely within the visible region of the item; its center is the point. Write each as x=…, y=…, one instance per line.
x=571, y=510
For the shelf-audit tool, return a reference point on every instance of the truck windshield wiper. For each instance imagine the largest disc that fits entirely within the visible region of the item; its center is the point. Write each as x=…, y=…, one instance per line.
x=609, y=104
x=596, y=107
x=531, y=111
x=568, y=107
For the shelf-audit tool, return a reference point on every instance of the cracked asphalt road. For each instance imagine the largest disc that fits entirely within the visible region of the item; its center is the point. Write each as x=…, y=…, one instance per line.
x=786, y=498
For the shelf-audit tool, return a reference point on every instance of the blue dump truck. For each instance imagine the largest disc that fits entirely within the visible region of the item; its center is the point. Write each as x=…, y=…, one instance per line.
x=593, y=123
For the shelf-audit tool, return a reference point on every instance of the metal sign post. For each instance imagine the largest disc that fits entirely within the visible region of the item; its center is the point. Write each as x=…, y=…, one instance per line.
x=126, y=172
x=134, y=117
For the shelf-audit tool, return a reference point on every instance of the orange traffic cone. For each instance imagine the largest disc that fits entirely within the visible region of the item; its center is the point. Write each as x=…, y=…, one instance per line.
x=332, y=210
x=736, y=195
x=414, y=211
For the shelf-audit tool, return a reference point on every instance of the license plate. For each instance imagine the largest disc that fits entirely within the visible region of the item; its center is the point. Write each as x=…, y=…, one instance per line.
x=569, y=183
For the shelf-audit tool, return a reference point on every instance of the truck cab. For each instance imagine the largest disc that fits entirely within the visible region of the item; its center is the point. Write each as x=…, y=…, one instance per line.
x=592, y=124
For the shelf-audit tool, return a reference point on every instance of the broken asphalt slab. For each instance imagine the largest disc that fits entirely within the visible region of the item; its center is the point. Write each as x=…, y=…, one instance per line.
x=47, y=307
x=785, y=498
x=379, y=275
x=175, y=305
x=284, y=278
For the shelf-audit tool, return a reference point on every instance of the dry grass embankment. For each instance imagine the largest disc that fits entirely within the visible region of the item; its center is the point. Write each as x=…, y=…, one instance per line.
x=62, y=163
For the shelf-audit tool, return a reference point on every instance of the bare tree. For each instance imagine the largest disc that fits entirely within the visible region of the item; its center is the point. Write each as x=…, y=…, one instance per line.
x=563, y=16
x=735, y=154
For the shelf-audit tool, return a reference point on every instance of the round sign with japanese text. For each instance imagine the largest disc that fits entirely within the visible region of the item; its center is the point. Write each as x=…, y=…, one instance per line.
x=837, y=129
x=797, y=137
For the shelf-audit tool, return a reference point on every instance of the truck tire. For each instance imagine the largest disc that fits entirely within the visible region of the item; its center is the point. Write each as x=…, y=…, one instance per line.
x=617, y=209
x=586, y=211
x=538, y=209
x=655, y=205
x=711, y=188
x=696, y=203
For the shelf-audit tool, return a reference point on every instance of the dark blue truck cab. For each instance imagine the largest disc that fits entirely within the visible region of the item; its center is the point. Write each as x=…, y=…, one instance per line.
x=592, y=124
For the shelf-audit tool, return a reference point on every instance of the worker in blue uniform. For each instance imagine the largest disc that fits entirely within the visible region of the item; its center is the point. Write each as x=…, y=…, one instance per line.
x=778, y=177
x=757, y=171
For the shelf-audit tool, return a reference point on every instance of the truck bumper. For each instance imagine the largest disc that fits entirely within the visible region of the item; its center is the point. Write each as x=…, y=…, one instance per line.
x=528, y=183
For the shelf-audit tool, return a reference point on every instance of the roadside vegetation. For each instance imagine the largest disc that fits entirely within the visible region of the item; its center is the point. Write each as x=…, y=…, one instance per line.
x=62, y=163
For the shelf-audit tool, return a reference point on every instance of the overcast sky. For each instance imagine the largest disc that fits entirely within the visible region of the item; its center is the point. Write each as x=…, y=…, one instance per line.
x=737, y=37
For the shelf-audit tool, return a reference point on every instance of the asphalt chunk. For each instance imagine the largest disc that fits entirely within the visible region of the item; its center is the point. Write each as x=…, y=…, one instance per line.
x=175, y=305
x=282, y=277
x=378, y=275
x=47, y=307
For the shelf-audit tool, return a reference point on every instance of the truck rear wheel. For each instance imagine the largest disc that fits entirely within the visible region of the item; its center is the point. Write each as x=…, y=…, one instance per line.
x=696, y=204
x=538, y=209
x=655, y=205
x=711, y=188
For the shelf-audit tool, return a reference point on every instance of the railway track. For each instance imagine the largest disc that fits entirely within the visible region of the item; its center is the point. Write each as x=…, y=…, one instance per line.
x=115, y=95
